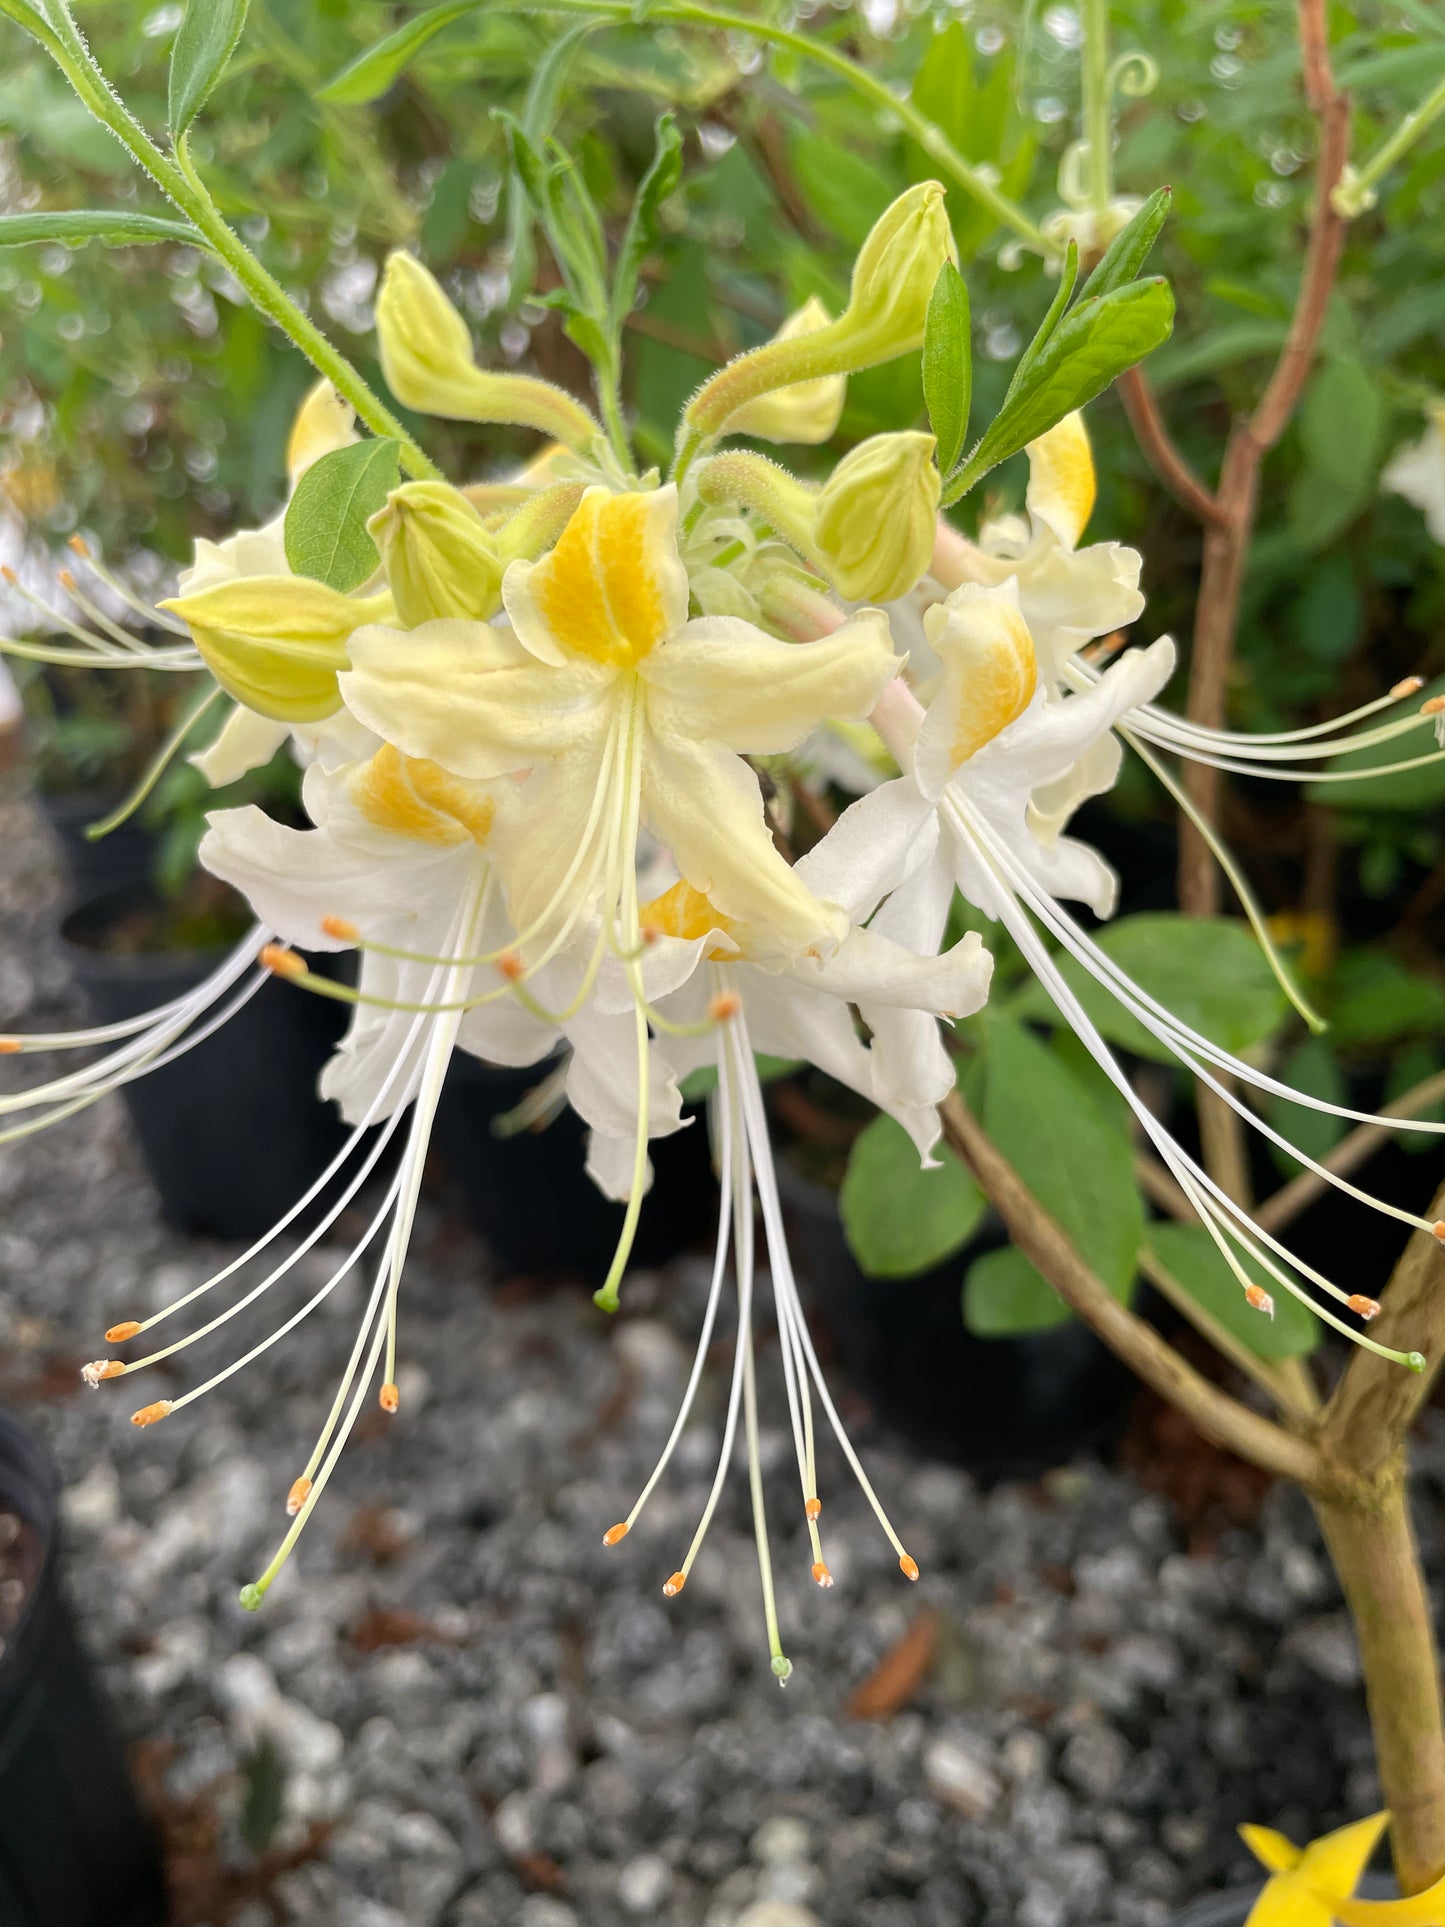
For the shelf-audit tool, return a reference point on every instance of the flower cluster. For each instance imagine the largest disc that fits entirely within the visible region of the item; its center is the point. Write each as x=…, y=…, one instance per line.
x=531, y=741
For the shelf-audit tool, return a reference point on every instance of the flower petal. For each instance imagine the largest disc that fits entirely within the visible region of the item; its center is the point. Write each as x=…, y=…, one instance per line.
x=989, y=678
x=467, y=695
x=1062, y=487
x=706, y=806
x=244, y=742
x=721, y=680
x=874, y=847
x=613, y=586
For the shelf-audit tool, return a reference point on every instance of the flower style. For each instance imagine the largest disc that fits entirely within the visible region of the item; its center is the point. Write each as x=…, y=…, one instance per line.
x=989, y=741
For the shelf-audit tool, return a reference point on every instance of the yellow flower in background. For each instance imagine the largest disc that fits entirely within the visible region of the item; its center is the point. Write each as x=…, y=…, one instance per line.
x=1314, y=1886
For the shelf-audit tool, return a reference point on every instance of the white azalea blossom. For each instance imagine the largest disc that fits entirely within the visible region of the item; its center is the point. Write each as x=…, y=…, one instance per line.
x=1417, y=471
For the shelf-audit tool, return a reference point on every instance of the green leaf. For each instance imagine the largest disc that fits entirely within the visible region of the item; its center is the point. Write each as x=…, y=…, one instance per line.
x=656, y=186
x=1130, y=248
x=1192, y=1260
x=96, y=224
x=368, y=76
x=1312, y=1068
x=948, y=364
x=200, y=54
x=1340, y=423
x=1074, y=1159
x=1043, y=334
x=1208, y=971
x=1098, y=341
x=897, y=1217
x=1374, y=998
x=1004, y=1297
x=326, y=534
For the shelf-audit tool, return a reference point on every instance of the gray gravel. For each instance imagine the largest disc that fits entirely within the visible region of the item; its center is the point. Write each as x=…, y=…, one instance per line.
x=562, y=1746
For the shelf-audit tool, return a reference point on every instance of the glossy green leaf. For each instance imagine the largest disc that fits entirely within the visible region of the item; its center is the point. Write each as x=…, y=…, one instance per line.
x=948, y=364
x=1004, y=1297
x=1090, y=346
x=1075, y=1159
x=326, y=534
x=1043, y=334
x=1130, y=248
x=897, y=1217
x=368, y=76
x=1192, y=1260
x=1340, y=423
x=1312, y=1068
x=1374, y=998
x=1208, y=971
x=200, y=54
x=96, y=224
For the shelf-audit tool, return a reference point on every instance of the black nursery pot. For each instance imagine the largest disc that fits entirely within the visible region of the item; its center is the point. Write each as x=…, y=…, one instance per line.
x=124, y=856
x=529, y=1198
x=233, y=1131
x=75, y=1848
x=1000, y=1407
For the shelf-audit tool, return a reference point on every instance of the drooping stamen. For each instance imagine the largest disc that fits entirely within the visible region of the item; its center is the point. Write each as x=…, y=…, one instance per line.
x=119, y=587
x=155, y=769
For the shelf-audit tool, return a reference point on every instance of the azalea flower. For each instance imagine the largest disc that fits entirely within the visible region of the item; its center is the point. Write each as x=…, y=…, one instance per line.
x=624, y=716
x=701, y=964
x=988, y=743
x=1417, y=472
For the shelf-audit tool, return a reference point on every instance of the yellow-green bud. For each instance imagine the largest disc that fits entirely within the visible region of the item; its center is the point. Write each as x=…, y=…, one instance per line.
x=426, y=356
x=893, y=278
x=876, y=515
x=808, y=411
x=278, y=642
x=894, y=273
x=438, y=556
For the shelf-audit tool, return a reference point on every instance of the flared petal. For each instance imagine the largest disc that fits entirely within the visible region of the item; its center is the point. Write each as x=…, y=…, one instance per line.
x=868, y=969
x=874, y=847
x=467, y=695
x=705, y=805
x=1062, y=486
x=549, y=840
x=990, y=676
x=722, y=680
x=245, y=741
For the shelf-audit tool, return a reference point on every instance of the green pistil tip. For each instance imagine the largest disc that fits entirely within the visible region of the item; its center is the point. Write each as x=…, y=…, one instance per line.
x=782, y=1668
x=606, y=1299
x=251, y=1597
x=1416, y=1361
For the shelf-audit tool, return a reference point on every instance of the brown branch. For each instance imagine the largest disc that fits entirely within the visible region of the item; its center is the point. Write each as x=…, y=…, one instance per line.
x=1158, y=445
x=1218, y=1416
x=1348, y=1155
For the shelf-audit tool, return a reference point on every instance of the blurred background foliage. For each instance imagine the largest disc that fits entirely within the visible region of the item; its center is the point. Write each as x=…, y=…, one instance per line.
x=144, y=403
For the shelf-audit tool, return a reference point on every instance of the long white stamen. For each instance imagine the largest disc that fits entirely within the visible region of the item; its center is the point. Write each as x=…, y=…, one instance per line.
x=118, y=586
x=781, y=1664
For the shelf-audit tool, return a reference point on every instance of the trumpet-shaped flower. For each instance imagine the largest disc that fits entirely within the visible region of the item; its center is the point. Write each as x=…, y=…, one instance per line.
x=963, y=814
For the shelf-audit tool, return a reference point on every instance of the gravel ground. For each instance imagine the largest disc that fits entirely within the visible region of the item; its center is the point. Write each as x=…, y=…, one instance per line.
x=471, y=1715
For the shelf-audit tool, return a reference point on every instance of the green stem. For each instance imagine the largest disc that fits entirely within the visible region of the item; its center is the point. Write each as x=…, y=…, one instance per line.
x=929, y=136
x=178, y=180
x=610, y=397
x=1097, y=133
x=1353, y=195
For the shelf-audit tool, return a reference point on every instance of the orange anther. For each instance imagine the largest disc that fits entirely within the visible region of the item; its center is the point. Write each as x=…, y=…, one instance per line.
x=8, y=573
x=76, y=545
x=511, y=966
x=118, y=1334
x=822, y=1575
x=297, y=1496
x=1362, y=1306
x=813, y=1508
x=1432, y=706
x=66, y=579
x=285, y=963
x=151, y=1414
x=8, y=1046
x=650, y=933
x=390, y=1397
x=102, y=1368
x=726, y=1004
x=1407, y=686
x=1439, y=1229
x=1258, y=1299
x=908, y=1566
x=672, y=1587
x=614, y=1535
x=340, y=928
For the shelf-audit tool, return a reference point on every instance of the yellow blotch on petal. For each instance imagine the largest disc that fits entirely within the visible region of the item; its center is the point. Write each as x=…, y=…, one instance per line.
x=414, y=798
x=988, y=654
x=1062, y=486
x=609, y=588
x=683, y=912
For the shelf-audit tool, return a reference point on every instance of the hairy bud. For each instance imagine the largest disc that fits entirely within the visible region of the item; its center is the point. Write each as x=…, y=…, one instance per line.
x=874, y=524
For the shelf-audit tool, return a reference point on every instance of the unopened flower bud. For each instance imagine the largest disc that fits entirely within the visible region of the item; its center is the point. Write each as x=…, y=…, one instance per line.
x=277, y=643
x=893, y=279
x=876, y=515
x=808, y=411
x=439, y=558
x=426, y=356
x=323, y=423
